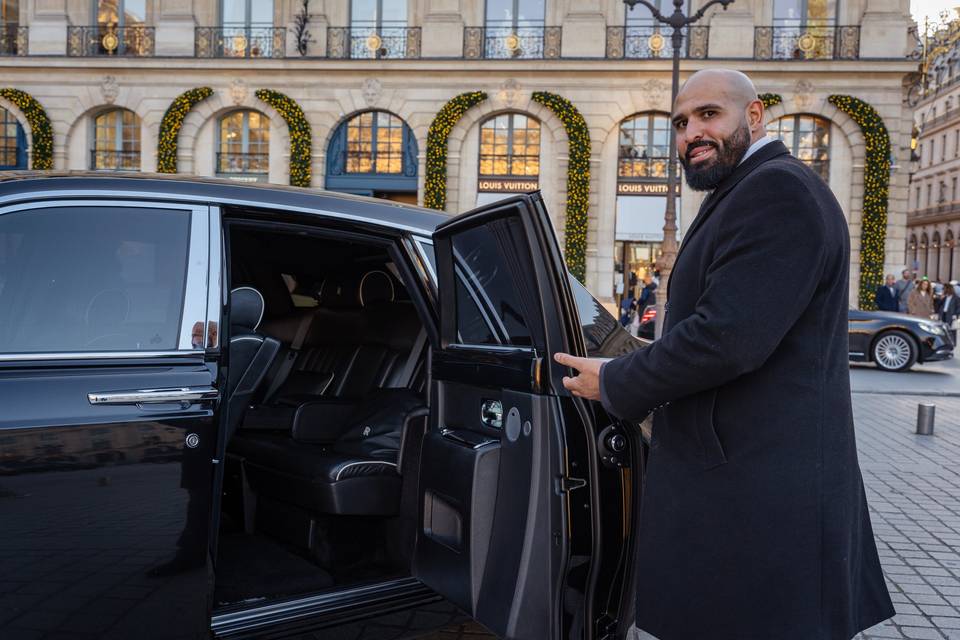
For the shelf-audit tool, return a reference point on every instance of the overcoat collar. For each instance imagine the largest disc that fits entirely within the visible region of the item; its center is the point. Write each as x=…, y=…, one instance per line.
x=764, y=153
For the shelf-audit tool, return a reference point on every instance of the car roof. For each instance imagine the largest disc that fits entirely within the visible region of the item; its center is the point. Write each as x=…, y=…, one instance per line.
x=16, y=185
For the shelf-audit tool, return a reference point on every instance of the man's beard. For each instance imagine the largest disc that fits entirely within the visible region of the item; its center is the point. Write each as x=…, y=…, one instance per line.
x=728, y=156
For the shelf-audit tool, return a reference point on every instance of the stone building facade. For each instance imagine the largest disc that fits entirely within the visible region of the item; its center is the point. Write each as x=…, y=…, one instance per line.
x=933, y=211
x=375, y=73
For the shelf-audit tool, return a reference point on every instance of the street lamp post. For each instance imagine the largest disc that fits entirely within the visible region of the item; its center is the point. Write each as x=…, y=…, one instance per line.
x=678, y=21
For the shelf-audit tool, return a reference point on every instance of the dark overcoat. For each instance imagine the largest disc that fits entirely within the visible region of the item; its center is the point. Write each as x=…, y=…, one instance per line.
x=754, y=522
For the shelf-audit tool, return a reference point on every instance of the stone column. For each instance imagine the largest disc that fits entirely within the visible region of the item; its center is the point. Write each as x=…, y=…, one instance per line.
x=175, y=24
x=442, y=35
x=883, y=30
x=48, y=28
x=584, y=30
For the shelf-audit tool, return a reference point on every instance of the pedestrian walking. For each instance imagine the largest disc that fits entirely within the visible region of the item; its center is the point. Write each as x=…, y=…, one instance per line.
x=920, y=301
x=904, y=287
x=755, y=523
x=886, y=295
x=950, y=310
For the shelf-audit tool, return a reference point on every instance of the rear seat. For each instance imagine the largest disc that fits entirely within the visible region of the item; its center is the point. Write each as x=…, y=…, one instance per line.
x=342, y=409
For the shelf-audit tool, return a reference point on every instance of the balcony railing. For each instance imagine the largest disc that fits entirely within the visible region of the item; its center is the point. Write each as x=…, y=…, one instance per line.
x=243, y=163
x=361, y=43
x=110, y=40
x=806, y=43
x=508, y=42
x=13, y=40
x=653, y=42
x=109, y=160
x=240, y=42
x=942, y=209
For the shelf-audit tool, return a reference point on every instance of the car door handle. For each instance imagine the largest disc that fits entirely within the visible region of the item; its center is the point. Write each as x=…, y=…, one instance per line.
x=186, y=395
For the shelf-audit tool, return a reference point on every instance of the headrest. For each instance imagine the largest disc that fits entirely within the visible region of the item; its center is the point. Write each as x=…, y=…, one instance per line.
x=376, y=287
x=246, y=309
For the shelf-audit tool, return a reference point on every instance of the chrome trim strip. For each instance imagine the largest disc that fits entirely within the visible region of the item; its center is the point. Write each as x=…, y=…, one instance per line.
x=492, y=348
x=93, y=355
x=270, y=615
x=418, y=242
x=184, y=198
x=195, y=293
x=149, y=396
x=215, y=272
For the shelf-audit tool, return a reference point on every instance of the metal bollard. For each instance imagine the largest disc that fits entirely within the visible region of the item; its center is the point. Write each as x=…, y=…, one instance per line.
x=925, y=416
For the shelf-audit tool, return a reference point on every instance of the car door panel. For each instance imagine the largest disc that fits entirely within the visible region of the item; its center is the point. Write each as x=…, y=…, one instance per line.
x=107, y=443
x=494, y=476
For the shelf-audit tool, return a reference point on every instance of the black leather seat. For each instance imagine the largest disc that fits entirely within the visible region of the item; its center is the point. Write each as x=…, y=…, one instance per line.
x=356, y=474
x=250, y=353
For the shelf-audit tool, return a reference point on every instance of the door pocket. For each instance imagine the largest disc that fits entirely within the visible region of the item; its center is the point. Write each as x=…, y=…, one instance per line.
x=713, y=454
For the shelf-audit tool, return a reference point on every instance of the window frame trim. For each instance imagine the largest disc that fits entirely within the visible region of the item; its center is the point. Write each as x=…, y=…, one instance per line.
x=196, y=290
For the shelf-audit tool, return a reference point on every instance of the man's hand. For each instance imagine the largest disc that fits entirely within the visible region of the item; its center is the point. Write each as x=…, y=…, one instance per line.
x=587, y=384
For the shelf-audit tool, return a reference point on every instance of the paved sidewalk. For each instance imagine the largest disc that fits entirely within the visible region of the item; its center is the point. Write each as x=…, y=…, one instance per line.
x=913, y=486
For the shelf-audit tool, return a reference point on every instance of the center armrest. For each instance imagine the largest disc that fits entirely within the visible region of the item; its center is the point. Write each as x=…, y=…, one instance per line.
x=321, y=421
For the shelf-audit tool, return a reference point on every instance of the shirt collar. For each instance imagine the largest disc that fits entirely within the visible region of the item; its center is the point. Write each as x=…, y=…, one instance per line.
x=755, y=147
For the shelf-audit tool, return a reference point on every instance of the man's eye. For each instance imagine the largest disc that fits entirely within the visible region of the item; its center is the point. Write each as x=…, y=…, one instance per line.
x=709, y=114
x=682, y=124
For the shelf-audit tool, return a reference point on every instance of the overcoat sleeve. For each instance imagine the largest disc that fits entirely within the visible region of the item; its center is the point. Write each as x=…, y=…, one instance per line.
x=767, y=261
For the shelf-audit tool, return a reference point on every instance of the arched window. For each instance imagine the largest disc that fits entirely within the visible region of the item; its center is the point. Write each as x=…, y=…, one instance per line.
x=950, y=244
x=924, y=254
x=914, y=248
x=808, y=138
x=373, y=153
x=510, y=147
x=374, y=143
x=644, y=147
x=13, y=142
x=244, y=145
x=116, y=145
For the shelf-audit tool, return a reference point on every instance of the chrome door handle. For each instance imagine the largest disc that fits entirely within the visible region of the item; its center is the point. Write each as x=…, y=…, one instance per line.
x=186, y=395
x=491, y=413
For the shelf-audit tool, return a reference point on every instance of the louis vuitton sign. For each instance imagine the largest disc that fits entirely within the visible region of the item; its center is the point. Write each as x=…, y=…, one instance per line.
x=507, y=186
x=644, y=189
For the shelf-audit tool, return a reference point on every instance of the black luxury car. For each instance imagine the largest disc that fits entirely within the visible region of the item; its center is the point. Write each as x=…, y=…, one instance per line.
x=896, y=341
x=242, y=411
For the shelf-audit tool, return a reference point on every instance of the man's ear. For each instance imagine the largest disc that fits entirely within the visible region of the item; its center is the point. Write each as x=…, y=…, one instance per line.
x=755, y=115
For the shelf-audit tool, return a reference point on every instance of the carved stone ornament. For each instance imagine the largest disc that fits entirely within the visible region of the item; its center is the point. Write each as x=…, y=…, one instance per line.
x=654, y=93
x=372, y=89
x=109, y=89
x=238, y=91
x=509, y=92
x=803, y=94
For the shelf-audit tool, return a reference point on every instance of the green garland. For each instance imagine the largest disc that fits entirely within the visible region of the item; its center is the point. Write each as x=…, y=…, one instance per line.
x=770, y=99
x=41, y=131
x=578, y=179
x=435, y=184
x=171, y=124
x=876, y=189
x=300, y=135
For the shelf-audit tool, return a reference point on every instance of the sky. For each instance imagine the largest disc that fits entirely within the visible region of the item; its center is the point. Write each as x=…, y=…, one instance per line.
x=931, y=8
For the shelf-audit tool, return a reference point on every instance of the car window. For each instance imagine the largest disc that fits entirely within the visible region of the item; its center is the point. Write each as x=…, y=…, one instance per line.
x=484, y=258
x=92, y=279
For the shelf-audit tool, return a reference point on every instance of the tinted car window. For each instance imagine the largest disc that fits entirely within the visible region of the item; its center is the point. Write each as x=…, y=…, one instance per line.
x=483, y=256
x=92, y=279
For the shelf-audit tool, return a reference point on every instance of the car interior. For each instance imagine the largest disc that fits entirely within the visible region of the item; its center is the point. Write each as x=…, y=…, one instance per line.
x=327, y=375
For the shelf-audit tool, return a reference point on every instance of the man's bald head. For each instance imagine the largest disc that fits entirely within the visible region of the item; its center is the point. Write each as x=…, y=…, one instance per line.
x=717, y=116
x=734, y=85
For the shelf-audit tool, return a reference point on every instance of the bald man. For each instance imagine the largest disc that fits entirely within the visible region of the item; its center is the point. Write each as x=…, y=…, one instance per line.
x=754, y=522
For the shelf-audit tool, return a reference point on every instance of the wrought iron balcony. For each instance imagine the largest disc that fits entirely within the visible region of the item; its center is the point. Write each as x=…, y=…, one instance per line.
x=508, y=42
x=240, y=42
x=230, y=162
x=110, y=160
x=13, y=40
x=806, y=43
x=653, y=42
x=361, y=43
x=110, y=40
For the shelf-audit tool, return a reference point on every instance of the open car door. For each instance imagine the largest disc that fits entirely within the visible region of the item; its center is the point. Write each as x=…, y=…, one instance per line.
x=505, y=496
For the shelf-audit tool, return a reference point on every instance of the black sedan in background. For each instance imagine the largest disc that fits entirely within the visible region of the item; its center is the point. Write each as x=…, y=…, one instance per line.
x=896, y=341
